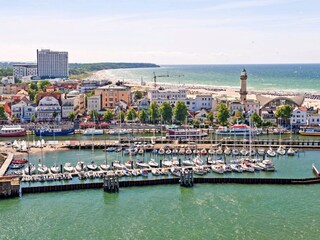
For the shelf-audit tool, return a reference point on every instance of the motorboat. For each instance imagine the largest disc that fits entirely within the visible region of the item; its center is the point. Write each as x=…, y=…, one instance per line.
x=68, y=167
x=268, y=165
x=271, y=153
x=175, y=151
x=261, y=151
x=199, y=170
x=211, y=151
x=152, y=163
x=164, y=171
x=168, y=151
x=144, y=172
x=156, y=171
x=142, y=164
x=182, y=151
x=187, y=162
x=281, y=150
x=92, y=166
x=135, y=172
x=16, y=166
x=12, y=131
x=219, y=151
x=30, y=169
x=227, y=151
x=197, y=161
x=42, y=169
x=188, y=151
x=55, y=169
x=127, y=173
x=140, y=151
x=196, y=152
x=167, y=163
x=235, y=152
x=175, y=161
x=236, y=168
x=80, y=166
x=203, y=151
x=118, y=132
x=247, y=168
x=161, y=151
x=291, y=152
x=217, y=168
x=104, y=166
x=19, y=161
x=118, y=165
x=244, y=152
x=227, y=168
x=175, y=171
x=129, y=164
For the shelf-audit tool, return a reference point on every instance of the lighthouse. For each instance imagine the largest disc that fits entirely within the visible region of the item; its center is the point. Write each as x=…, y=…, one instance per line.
x=243, y=86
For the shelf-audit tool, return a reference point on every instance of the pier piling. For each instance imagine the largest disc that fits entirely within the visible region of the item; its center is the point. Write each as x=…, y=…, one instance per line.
x=111, y=183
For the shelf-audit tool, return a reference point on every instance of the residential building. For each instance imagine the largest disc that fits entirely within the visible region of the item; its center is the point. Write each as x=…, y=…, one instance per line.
x=87, y=86
x=94, y=103
x=161, y=94
x=52, y=64
x=112, y=95
x=12, y=88
x=73, y=102
x=23, y=110
x=252, y=106
x=7, y=80
x=48, y=109
x=143, y=104
x=299, y=116
x=235, y=106
x=198, y=102
x=21, y=70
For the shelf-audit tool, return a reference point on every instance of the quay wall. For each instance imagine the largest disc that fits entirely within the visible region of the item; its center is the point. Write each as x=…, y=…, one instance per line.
x=149, y=182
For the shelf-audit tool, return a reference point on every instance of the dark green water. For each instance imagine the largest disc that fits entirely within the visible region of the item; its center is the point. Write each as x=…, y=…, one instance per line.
x=166, y=212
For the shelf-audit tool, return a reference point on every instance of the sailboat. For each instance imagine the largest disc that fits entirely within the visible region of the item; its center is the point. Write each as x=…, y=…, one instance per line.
x=104, y=166
x=93, y=130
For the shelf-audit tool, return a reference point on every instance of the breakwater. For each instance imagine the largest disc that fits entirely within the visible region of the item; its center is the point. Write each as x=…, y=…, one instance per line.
x=148, y=182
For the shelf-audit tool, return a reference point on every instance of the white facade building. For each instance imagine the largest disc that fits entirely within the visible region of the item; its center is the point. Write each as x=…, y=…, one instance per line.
x=21, y=70
x=94, y=103
x=235, y=106
x=24, y=110
x=7, y=80
x=166, y=94
x=52, y=64
x=252, y=106
x=299, y=116
x=198, y=102
x=47, y=108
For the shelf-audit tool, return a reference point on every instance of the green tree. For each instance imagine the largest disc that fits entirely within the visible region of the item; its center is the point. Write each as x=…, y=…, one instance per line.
x=153, y=111
x=256, y=119
x=166, y=112
x=131, y=115
x=180, y=111
x=223, y=114
x=94, y=115
x=71, y=116
x=238, y=117
x=33, y=118
x=90, y=94
x=108, y=115
x=121, y=116
x=210, y=117
x=138, y=95
x=54, y=115
x=143, y=116
x=196, y=122
x=284, y=112
x=43, y=84
x=3, y=115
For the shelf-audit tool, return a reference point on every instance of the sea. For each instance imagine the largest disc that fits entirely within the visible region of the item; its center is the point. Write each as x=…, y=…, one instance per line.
x=206, y=211
x=295, y=78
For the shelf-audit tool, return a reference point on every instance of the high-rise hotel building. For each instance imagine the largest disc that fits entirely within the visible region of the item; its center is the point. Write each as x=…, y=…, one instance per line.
x=52, y=64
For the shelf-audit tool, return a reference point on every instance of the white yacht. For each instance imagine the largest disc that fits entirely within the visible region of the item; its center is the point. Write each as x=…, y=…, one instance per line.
x=93, y=131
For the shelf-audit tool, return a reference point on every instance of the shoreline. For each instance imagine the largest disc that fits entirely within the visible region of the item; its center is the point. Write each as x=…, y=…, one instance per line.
x=311, y=99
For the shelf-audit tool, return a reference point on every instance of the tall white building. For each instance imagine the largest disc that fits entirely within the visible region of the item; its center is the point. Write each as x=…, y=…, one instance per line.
x=24, y=69
x=52, y=64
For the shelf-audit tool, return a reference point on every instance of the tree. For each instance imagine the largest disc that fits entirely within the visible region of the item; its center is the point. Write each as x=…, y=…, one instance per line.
x=131, y=115
x=284, y=112
x=108, y=115
x=33, y=118
x=54, y=115
x=196, y=122
x=138, y=95
x=153, y=111
x=121, y=116
x=43, y=84
x=210, y=117
x=94, y=115
x=71, y=116
x=14, y=119
x=143, y=116
x=238, y=117
x=3, y=115
x=166, y=112
x=256, y=119
x=90, y=94
x=180, y=111
x=223, y=114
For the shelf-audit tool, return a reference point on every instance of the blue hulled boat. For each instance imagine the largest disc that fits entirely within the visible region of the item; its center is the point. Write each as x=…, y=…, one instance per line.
x=47, y=131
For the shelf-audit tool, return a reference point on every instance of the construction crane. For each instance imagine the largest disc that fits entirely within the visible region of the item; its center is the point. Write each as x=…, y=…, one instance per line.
x=164, y=75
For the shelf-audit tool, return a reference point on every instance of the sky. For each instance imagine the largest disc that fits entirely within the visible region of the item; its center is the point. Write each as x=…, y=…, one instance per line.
x=163, y=31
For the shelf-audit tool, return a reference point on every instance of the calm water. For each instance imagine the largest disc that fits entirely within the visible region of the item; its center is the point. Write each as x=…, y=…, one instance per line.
x=222, y=211
x=288, y=77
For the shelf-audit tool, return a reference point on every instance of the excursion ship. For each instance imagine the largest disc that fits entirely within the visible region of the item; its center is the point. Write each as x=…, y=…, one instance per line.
x=53, y=131
x=310, y=131
x=184, y=133
x=12, y=131
x=237, y=130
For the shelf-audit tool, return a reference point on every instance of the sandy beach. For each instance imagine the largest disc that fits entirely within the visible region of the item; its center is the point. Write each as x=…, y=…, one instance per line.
x=229, y=93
